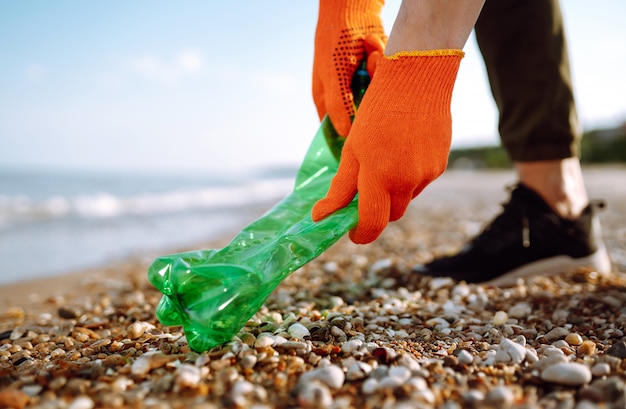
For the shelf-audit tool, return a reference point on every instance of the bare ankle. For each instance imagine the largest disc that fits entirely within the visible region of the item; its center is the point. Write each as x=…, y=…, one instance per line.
x=559, y=182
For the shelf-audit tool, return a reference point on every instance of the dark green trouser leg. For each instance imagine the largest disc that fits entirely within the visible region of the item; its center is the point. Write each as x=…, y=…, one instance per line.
x=525, y=51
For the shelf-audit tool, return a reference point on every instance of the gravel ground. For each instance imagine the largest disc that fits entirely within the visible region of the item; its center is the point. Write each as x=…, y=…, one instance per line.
x=352, y=329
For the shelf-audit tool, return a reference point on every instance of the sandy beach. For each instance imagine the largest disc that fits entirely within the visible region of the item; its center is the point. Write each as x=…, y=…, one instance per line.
x=352, y=329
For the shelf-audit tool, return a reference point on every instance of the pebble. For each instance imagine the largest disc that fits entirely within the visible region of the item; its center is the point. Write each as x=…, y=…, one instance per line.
x=547, y=361
x=499, y=397
x=314, y=395
x=601, y=369
x=187, y=376
x=331, y=375
x=465, y=357
x=574, y=339
x=137, y=329
x=510, y=352
x=567, y=373
x=401, y=373
x=556, y=334
x=298, y=331
x=352, y=346
x=587, y=348
x=585, y=404
x=520, y=310
x=249, y=361
x=81, y=402
x=149, y=361
x=333, y=336
x=500, y=318
x=358, y=370
x=264, y=341
x=13, y=398
x=618, y=350
x=611, y=390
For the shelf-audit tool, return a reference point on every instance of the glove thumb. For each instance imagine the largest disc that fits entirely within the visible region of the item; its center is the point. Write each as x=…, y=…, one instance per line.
x=374, y=49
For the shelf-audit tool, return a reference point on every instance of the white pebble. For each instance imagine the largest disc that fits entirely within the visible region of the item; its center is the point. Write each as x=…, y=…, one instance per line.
x=82, y=402
x=520, y=310
x=499, y=397
x=314, y=395
x=264, y=340
x=380, y=265
x=417, y=383
x=425, y=396
x=473, y=397
x=400, y=372
x=438, y=323
x=331, y=375
x=337, y=332
x=249, y=361
x=389, y=383
x=461, y=291
x=142, y=365
x=409, y=362
x=500, y=318
x=601, y=369
x=187, y=376
x=561, y=343
x=370, y=386
x=358, y=370
x=510, y=352
x=331, y=267
x=547, y=361
x=531, y=356
x=552, y=351
x=440, y=282
x=567, y=373
x=465, y=357
x=352, y=346
x=242, y=387
x=121, y=384
x=299, y=331
x=402, y=334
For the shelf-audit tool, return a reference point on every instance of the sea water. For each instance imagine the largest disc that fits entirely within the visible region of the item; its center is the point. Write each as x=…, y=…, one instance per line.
x=54, y=222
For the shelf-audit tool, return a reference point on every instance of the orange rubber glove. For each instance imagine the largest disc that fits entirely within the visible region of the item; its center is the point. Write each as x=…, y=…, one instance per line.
x=347, y=31
x=399, y=142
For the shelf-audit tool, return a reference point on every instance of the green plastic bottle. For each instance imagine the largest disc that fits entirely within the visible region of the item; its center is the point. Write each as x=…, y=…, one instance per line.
x=213, y=293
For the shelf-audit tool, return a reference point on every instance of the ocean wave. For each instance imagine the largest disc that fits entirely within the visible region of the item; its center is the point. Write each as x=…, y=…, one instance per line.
x=21, y=208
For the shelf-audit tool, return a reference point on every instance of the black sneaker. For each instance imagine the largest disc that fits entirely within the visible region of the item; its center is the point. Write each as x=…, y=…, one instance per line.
x=526, y=239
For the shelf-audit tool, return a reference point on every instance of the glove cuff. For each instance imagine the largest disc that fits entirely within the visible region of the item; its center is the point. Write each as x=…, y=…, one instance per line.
x=417, y=81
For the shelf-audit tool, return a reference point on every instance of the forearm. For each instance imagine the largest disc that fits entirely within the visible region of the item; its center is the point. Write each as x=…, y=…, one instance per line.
x=433, y=24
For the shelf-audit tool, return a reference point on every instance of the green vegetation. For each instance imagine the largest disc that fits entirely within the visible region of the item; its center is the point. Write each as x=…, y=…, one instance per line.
x=598, y=146
x=604, y=146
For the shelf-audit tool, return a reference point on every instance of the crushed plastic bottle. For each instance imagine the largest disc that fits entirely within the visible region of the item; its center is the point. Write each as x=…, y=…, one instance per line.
x=213, y=293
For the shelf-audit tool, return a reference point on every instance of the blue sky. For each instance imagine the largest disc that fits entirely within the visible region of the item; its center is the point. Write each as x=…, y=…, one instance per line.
x=203, y=86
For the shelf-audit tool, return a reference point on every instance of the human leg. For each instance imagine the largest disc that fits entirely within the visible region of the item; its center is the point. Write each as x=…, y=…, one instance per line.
x=525, y=51
x=548, y=226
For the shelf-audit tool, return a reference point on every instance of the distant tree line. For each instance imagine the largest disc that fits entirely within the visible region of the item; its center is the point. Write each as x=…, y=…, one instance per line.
x=597, y=146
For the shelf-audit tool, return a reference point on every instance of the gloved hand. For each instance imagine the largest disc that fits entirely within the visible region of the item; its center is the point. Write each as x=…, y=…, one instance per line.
x=347, y=31
x=399, y=142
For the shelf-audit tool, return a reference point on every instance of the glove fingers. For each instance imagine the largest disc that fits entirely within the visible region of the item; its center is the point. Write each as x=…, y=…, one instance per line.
x=399, y=204
x=374, y=48
x=374, y=210
x=342, y=189
x=339, y=112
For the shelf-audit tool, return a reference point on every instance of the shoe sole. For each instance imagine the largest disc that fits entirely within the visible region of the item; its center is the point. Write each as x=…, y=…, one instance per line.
x=599, y=261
